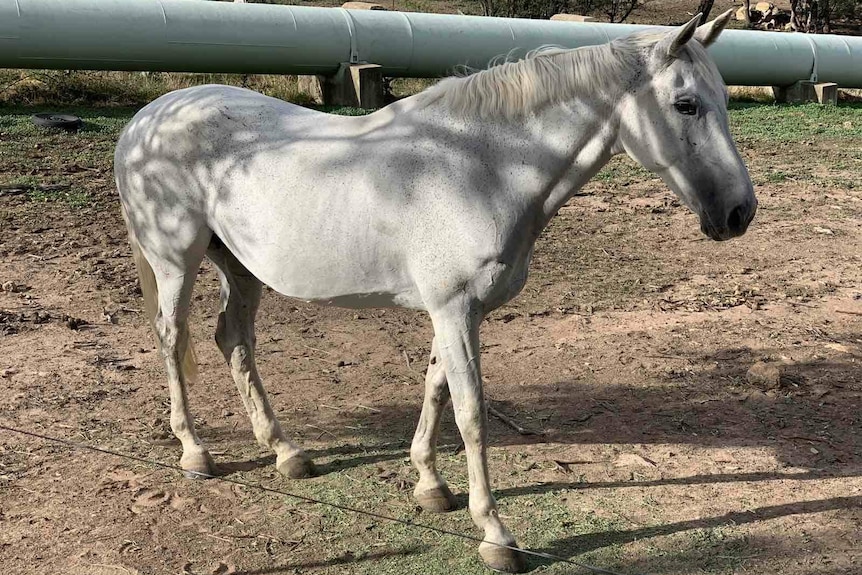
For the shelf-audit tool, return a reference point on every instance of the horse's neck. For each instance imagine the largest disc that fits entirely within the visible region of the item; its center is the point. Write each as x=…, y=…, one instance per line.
x=543, y=158
x=546, y=157
x=585, y=136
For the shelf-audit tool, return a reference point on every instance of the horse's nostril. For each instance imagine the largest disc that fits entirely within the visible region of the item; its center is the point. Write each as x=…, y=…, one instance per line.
x=736, y=221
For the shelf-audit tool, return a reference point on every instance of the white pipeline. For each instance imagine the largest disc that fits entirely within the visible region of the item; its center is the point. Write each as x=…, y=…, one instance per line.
x=196, y=36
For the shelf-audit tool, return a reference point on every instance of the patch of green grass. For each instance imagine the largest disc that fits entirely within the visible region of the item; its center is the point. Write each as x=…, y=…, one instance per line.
x=845, y=183
x=777, y=176
x=15, y=120
x=23, y=181
x=622, y=171
x=342, y=110
x=73, y=198
x=794, y=123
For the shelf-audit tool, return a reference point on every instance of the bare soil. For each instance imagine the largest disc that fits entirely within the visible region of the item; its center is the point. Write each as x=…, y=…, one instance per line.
x=628, y=350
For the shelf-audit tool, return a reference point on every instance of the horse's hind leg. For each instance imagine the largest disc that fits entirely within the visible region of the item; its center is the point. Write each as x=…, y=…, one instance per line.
x=175, y=285
x=240, y=297
x=431, y=491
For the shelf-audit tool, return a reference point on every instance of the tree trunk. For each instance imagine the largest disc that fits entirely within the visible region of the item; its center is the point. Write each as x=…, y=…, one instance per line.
x=704, y=8
x=747, y=16
x=619, y=10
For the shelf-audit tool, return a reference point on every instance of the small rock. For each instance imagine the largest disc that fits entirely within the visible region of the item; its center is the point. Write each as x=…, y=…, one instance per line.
x=813, y=450
x=74, y=323
x=764, y=375
x=824, y=231
x=12, y=287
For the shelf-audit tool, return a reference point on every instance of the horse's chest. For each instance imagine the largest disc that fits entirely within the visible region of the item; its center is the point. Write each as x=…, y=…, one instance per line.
x=501, y=281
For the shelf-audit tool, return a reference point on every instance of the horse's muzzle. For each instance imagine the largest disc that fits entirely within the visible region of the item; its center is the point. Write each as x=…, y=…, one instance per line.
x=735, y=223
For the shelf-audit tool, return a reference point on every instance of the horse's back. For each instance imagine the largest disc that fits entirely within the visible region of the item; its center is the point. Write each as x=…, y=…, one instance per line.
x=280, y=185
x=202, y=120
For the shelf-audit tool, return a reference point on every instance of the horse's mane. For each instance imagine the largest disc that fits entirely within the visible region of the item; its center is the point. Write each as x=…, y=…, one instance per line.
x=544, y=77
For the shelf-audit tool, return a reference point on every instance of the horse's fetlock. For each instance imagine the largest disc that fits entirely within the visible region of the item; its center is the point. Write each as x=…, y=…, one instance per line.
x=483, y=511
x=179, y=424
x=421, y=456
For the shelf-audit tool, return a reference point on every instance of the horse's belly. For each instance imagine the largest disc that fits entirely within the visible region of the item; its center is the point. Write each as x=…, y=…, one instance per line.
x=408, y=299
x=340, y=290
x=320, y=270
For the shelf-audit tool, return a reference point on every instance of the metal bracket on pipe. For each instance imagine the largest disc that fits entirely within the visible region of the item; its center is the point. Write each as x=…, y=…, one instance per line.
x=813, y=45
x=351, y=27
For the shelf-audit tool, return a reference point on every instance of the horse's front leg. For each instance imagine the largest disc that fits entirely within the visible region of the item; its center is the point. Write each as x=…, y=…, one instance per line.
x=431, y=491
x=456, y=329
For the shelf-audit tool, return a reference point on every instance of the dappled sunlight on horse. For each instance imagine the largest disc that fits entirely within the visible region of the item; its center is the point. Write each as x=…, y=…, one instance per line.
x=433, y=203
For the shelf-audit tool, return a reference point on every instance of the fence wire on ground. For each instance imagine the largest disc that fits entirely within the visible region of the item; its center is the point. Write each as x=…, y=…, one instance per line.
x=406, y=522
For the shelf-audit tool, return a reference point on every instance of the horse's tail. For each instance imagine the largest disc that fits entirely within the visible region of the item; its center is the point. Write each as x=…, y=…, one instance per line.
x=150, y=290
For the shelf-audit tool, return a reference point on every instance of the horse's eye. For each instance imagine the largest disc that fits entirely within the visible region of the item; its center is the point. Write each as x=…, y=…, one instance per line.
x=686, y=107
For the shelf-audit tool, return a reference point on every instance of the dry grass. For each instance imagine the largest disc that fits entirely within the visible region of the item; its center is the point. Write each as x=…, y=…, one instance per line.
x=751, y=93
x=71, y=87
x=89, y=88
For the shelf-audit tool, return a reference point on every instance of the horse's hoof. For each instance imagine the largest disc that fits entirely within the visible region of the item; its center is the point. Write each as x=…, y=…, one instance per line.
x=437, y=500
x=198, y=465
x=502, y=559
x=299, y=466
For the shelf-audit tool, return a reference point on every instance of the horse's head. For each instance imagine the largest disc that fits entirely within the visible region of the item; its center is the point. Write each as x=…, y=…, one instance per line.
x=673, y=121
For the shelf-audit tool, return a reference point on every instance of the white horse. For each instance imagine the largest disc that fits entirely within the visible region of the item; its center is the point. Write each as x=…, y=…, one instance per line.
x=433, y=203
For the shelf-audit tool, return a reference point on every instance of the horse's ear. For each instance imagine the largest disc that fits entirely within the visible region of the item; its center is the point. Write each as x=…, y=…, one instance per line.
x=671, y=44
x=709, y=32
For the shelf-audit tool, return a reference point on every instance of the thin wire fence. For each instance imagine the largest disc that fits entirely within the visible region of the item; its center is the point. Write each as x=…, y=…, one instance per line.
x=408, y=523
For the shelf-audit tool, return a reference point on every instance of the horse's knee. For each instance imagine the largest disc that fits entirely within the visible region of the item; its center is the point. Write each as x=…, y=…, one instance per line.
x=471, y=424
x=439, y=392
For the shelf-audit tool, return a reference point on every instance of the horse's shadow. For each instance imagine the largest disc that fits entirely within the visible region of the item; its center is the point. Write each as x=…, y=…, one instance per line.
x=818, y=407
x=786, y=421
x=337, y=459
x=580, y=544
x=342, y=560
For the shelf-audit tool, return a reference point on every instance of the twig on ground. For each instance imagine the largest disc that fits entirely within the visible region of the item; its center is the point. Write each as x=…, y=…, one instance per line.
x=321, y=429
x=118, y=567
x=315, y=349
x=848, y=311
x=375, y=410
x=217, y=537
x=509, y=421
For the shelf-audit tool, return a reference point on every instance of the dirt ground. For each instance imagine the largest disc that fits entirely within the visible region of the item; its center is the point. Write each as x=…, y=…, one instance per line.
x=628, y=351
